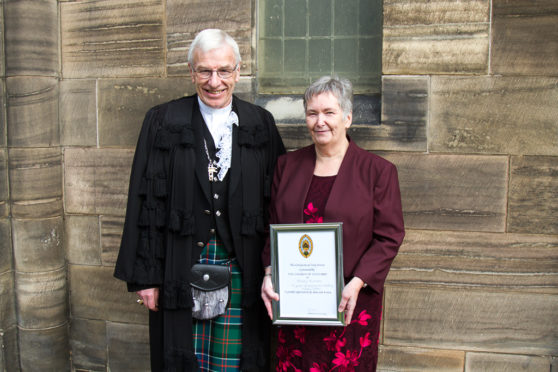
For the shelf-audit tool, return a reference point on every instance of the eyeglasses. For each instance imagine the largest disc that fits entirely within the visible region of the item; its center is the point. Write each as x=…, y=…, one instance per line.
x=223, y=73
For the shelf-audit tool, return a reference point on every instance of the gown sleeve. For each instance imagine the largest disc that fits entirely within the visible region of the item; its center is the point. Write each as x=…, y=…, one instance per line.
x=129, y=254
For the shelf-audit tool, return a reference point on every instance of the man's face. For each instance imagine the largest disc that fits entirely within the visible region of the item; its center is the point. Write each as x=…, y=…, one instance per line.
x=214, y=90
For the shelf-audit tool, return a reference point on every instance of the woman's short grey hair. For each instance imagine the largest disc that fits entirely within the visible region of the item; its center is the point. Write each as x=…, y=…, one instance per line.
x=342, y=89
x=209, y=39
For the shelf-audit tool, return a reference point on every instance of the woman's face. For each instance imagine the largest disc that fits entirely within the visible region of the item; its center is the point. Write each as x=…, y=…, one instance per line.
x=325, y=120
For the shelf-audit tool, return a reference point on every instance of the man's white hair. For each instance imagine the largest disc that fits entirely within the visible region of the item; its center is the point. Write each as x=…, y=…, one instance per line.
x=209, y=39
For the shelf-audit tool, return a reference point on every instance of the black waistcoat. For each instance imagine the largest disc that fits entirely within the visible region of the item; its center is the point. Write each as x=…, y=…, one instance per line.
x=219, y=190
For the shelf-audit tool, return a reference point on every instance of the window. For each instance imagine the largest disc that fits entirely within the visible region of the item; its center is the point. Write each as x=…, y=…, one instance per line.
x=301, y=40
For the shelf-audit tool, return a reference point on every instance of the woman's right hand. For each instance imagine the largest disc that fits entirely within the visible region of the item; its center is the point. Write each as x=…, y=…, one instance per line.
x=268, y=294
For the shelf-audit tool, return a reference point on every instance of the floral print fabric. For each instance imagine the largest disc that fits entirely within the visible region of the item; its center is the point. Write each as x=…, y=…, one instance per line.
x=324, y=349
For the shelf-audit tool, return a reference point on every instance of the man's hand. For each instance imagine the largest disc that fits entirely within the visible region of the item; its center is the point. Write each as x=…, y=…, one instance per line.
x=150, y=298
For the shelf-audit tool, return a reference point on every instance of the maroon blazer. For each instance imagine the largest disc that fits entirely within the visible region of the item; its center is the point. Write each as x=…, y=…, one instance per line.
x=365, y=197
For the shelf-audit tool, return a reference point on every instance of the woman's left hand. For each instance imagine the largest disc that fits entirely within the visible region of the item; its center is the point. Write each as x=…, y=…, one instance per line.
x=349, y=298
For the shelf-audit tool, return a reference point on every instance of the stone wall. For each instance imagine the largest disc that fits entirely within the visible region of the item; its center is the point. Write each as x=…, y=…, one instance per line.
x=468, y=113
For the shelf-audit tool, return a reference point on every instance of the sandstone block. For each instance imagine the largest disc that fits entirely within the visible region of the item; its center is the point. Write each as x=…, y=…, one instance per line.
x=96, y=181
x=128, y=347
x=82, y=240
x=434, y=37
x=78, y=112
x=3, y=132
x=112, y=38
x=35, y=182
x=9, y=353
x=124, y=103
x=7, y=304
x=44, y=349
x=294, y=136
x=526, y=263
x=185, y=18
x=525, y=32
x=405, y=113
x=32, y=111
x=475, y=320
x=2, y=54
x=97, y=295
x=384, y=137
x=5, y=246
x=111, y=235
x=2, y=363
x=533, y=195
x=42, y=299
x=31, y=37
x=395, y=359
x=506, y=362
x=494, y=115
x=452, y=192
x=88, y=344
x=4, y=195
x=79, y=180
x=38, y=244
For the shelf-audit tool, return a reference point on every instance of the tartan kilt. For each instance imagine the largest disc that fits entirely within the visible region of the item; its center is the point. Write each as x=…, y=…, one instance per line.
x=218, y=342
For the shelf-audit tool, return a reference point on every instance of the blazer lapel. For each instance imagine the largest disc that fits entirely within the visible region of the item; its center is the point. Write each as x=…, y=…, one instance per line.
x=340, y=187
x=307, y=166
x=297, y=180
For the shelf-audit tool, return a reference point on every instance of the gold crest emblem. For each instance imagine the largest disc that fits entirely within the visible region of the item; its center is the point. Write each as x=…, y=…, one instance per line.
x=305, y=246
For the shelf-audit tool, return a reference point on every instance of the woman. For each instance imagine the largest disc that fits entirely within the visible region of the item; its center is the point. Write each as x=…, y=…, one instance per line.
x=334, y=180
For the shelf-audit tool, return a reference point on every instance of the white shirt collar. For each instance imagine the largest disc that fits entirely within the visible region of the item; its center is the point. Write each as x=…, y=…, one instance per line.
x=220, y=123
x=215, y=118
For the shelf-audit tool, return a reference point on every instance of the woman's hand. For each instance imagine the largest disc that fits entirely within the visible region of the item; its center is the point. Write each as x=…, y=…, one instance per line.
x=268, y=294
x=349, y=298
x=150, y=298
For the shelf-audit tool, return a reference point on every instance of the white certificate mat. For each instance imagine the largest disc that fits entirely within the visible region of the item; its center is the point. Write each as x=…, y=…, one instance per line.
x=307, y=273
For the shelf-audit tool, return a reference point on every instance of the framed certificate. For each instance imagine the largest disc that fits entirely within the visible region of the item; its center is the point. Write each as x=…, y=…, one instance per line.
x=307, y=267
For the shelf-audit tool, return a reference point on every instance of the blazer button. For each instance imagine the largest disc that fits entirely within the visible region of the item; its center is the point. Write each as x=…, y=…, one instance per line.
x=212, y=231
x=218, y=213
x=207, y=211
x=215, y=196
x=200, y=244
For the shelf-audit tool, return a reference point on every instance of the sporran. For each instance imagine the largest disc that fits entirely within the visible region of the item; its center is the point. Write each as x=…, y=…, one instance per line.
x=211, y=290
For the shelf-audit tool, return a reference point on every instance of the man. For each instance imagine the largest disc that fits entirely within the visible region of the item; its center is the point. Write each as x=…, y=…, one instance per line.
x=199, y=192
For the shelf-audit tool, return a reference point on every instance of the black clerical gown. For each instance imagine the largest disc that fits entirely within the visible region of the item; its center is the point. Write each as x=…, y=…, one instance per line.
x=167, y=222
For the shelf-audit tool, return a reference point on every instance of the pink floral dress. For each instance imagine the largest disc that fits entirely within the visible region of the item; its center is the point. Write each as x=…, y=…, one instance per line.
x=319, y=348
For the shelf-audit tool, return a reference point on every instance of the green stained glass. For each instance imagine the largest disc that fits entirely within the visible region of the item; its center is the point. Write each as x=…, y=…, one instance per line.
x=319, y=56
x=345, y=55
x=346, y=17
x=295, y=55
x=370, y=18
x=319, y=17
x=295, y=17
x=370, y=61
x=272, y=56
x=272, y=20
x=300, y=40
